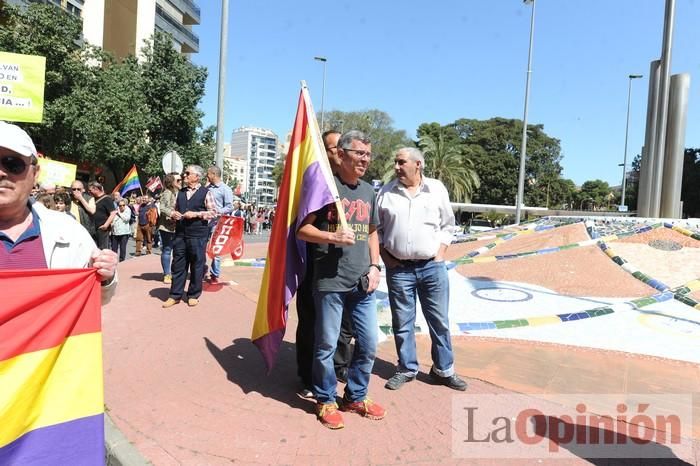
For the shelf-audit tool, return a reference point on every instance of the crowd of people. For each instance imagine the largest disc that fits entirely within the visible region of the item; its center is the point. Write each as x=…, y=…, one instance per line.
x=407, y=227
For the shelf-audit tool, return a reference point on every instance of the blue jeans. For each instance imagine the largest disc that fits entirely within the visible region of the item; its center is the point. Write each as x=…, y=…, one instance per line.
x=166, y=250
x=329, y=314
x=215, y=270
x=428, y=280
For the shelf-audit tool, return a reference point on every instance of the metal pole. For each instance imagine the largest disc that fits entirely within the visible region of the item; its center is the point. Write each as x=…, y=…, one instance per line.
x=223, y=51
x=662, y=112
x=627, y=127
x=519, y=200
x=648, y=151
x=671, y=206
x=323, y=88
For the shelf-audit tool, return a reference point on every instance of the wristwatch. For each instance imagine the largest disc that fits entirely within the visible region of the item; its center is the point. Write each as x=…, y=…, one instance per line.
x=379, y=267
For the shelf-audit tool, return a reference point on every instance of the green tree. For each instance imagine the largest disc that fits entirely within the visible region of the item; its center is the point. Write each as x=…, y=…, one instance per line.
x=45, y=31
x=562, y=193
x=494, y=147
x=110, y=117
x=445, y=161
x=594, y=192
x=173, y=87
x=378, y=125
x=277, y=172
x=632, y=185
x=115, y=114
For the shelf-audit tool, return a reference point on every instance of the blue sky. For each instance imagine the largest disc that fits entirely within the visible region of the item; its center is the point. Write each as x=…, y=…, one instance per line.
x=443, y=60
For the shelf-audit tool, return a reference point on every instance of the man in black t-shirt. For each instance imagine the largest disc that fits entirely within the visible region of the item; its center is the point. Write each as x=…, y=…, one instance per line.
x=104, y=213
x=346, y=273
x=306, y=310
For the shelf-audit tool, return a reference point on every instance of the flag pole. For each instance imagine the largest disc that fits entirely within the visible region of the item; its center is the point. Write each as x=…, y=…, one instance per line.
x=323, y=161
x=136, y=169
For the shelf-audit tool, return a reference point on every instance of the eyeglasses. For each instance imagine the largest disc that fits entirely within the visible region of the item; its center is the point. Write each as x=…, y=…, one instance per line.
x=14, y=165
x=361, y=154
x=186, y=174
x=177, y=180
x=76, y=189
x=122, y=205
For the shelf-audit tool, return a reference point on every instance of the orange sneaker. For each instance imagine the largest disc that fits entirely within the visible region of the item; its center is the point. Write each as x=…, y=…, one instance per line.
x=329, y=416
x=366, y=408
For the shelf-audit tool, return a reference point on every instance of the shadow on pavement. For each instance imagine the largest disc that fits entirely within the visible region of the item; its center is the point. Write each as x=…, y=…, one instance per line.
x=245, y=367
x=562, y=434
x=383, y=369
x=151, y=276
x=161, y=293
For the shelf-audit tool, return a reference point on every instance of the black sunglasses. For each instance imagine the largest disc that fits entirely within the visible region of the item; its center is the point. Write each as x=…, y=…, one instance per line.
x=14, y=164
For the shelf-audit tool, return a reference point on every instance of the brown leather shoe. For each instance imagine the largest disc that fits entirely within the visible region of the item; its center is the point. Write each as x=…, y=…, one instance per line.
x=170, y=302
x=192, y=302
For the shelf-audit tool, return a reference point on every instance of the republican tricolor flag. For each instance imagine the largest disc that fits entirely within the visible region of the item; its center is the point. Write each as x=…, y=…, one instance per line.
x=307, y=185
x=51, y=388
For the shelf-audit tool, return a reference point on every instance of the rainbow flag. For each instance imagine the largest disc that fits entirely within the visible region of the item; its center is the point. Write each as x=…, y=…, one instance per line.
x=307, y=185
x=130, y=182
x=51, y=387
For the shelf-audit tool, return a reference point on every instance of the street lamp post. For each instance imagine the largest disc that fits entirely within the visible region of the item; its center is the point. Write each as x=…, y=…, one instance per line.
x=223, y=52
x=519, y=200
x=323, y=89
x=627, y=127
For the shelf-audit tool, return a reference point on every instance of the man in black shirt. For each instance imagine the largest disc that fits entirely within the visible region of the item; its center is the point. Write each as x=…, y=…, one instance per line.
x=346, y=273
x=104, y=213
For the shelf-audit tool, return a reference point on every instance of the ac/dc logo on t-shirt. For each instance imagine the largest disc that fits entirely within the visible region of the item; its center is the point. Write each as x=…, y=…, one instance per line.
x=355, y=211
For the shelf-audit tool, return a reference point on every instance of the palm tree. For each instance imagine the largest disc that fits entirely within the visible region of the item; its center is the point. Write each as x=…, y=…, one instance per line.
x=445, y=161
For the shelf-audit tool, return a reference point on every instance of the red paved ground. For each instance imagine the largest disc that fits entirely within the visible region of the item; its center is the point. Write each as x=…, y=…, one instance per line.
x=662, y=233
x=583, y=271
x=186, y=386
x=534, y=241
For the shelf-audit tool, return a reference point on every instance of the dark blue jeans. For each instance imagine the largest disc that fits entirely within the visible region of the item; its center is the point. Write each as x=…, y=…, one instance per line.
x=188, y=254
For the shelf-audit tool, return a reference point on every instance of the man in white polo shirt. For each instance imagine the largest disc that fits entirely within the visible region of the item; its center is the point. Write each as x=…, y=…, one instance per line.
x=416, y=226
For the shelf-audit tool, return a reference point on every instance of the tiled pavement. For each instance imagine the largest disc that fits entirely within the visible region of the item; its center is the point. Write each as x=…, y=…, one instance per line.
x=186, y=386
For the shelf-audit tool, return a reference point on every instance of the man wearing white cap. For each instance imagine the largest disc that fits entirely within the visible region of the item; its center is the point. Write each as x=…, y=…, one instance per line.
x=33, y=237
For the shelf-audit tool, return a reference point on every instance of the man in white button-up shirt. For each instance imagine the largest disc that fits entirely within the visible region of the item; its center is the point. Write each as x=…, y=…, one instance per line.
x=416, y=226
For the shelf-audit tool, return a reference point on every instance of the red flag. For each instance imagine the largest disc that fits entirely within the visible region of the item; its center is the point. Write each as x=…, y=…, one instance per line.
x=154, y=183
x=227, y=238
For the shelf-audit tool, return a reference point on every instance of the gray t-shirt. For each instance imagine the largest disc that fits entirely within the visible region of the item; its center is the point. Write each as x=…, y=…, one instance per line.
x=339, y=268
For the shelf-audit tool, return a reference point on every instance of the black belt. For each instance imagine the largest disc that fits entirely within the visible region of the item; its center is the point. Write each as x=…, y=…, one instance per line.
x=407, y=262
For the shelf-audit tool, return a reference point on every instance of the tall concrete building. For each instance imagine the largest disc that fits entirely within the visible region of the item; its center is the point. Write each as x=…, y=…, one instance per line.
x=258, y=147
x=236, y=175
x=122, y=26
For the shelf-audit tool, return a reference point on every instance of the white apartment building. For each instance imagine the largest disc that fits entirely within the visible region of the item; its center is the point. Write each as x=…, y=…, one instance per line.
x=122, y=26
x=258, y=148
